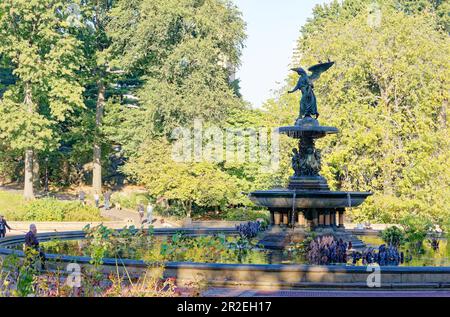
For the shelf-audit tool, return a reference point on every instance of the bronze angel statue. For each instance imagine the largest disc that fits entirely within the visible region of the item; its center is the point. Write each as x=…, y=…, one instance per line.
x=308, y=103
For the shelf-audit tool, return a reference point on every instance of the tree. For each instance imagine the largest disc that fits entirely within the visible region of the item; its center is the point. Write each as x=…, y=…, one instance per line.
x=37, y=43
x=388, y=95
x=182, y=49
x=200, y=184
x=185, y=51
x=98, y=75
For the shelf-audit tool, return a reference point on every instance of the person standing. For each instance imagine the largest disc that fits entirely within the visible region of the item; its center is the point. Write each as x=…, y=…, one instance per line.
x=140, y=210
x=97, y=199
x=3, y=226
x=32, y=243
x=31, y=240
x=149, y=213
x=107, y=199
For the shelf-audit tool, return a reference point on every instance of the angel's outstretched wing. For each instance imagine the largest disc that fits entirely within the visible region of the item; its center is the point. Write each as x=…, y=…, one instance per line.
x=318, y=69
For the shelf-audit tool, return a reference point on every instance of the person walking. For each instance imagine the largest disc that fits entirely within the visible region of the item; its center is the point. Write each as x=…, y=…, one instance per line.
x=3, y=226
x=97, y=199
x=107, y=196
x=82, y=197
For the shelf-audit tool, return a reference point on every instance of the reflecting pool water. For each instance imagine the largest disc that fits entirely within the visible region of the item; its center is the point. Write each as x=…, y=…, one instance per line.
x=214, y=250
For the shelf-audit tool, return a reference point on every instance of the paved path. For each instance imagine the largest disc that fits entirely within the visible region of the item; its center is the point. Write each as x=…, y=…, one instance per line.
x=121, y=215
x=236, y=292
x=132, y=217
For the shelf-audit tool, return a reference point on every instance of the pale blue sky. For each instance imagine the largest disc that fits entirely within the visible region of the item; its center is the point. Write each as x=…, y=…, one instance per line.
x=273, y=27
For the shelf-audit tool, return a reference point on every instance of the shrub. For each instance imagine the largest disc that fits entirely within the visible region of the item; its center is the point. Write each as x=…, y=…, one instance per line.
x=393, y=236
x=246, y=214
x=131, y=200
x=15, y=208
x=51, y=209
x=416, y=228
x=173, y=210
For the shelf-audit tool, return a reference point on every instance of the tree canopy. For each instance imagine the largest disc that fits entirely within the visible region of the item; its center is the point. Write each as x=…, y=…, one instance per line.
x=93, y=90
x=388, y=95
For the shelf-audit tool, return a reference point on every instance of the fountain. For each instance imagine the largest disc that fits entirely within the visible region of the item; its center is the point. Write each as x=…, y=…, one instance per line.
x=307, y=203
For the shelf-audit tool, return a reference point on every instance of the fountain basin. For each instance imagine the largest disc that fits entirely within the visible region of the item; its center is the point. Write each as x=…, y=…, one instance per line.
x=282, y=198
x=307, y=127
x=430, y=273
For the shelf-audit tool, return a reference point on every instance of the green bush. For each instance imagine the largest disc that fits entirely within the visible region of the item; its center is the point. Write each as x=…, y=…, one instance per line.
x=416, y=228
x=246, y=214
x=130, y=201
x=393, y=236
x=51, y=209
x=174, y=210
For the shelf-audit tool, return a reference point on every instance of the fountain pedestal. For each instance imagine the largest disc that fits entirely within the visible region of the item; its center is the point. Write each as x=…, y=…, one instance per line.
x=307, y=203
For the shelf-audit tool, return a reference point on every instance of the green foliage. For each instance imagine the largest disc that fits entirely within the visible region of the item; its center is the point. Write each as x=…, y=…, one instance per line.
x=186, y=56
x=130, y=200
x=203, y=184
x=50, y=209
x=12, y=205
x=388, y=94
x=416, y=229
x=180, y=248
x=246, y=214
x=45, y=58
x=221, y=249
x=185, y=51
x=129, y=242
x=135, y=243
x=175, y=209
x=14, y=208
x=28, y=273
x=393, y=236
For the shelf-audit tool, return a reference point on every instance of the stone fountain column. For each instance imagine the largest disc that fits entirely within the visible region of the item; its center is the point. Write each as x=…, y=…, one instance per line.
x=321, y=219
x=341, y=218
x=315, y=218
x=327, y=218
x=301, y=218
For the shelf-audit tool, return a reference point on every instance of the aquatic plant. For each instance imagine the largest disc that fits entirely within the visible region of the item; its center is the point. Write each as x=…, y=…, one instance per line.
x=327, y=250
x=250, y=229
x=385, y=255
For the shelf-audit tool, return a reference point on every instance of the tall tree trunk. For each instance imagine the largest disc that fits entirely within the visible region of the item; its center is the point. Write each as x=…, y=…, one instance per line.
x=36, y=173
x=97, y=166
x=28, y=189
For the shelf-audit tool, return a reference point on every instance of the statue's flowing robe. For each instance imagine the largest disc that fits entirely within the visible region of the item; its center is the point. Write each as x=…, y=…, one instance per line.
x=308, y=103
